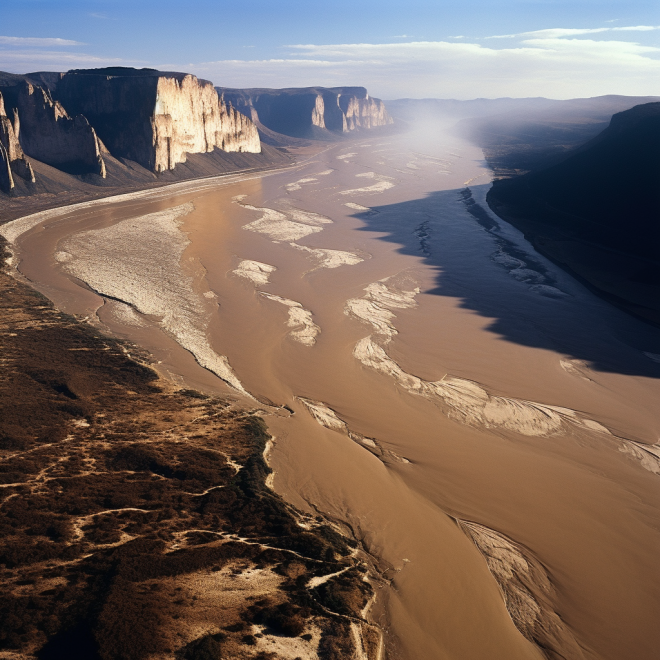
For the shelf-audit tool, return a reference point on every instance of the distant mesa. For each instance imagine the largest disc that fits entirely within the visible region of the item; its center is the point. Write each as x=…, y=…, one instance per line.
x=596, y=211
x=319, y=113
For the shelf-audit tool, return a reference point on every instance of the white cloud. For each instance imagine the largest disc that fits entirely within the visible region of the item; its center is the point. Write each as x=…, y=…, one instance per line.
x=24, y=61
x=543, y=65
x=556, y=33
x=636, y=28
x=556, y=63
x=37, y=42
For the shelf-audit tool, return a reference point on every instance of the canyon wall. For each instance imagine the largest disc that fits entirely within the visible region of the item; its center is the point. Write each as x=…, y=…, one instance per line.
x=12, y=158
x=596, y=210
x=50, y=135
x=79, y=121
x=156, y=118
x=310, y=112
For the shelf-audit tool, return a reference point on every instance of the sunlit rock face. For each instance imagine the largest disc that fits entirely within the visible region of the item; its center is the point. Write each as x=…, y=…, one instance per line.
x=156, y=118
x=310, y=112
x=12, y=158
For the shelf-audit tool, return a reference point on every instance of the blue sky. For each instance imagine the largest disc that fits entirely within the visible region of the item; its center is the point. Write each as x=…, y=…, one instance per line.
x=469, y=49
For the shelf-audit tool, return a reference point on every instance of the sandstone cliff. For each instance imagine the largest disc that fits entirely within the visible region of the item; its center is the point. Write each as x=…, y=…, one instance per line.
x=311, y=112
x=156, y=118
x=12, y=158
x=49, y=134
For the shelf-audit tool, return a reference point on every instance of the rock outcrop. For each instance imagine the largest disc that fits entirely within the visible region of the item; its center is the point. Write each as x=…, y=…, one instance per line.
x=12, y=158
x=156, y=118
x=49, y=134
x=310, y=112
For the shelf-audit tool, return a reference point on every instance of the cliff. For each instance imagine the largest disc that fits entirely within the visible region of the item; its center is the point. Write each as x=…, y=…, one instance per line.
x=49, y=134
x=155, y=118
x=597, y=210
x=92, y=133
x=310, y=112
x=12, y=158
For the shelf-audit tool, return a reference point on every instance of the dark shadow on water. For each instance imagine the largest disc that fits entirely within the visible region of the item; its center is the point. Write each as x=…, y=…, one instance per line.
x=488, y=266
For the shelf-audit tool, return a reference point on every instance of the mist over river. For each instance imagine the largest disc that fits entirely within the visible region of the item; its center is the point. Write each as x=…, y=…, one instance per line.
x=479, y=420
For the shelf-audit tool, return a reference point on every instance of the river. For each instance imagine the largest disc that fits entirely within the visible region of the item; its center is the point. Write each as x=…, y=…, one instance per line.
x=477, y=418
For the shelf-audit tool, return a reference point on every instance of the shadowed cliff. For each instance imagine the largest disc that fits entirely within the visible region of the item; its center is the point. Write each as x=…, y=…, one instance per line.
x=596, y=212
x=489, y=269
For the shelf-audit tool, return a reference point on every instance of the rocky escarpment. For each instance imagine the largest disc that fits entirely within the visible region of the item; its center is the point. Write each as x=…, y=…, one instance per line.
x=49, y=134
x=93, y=133
x=310, y=112
x=82, y=121
x=597, y=211
x=156, y=118
x=12, y=159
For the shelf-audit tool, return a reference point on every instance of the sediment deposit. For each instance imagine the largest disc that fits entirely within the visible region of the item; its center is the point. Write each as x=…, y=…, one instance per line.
x=138, y=262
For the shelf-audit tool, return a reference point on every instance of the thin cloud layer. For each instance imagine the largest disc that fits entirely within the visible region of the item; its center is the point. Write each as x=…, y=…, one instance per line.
x=24, y=61
x=573, y=32
x=37, y=42
x=552, y=63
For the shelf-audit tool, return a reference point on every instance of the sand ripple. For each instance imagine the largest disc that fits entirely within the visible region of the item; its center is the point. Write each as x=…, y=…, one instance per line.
x=463, y=400
x=138, y=262
x=330, y=258
x=468, y=402
x=647, y=455
x=329, y=419
x=297, y=185
x=290, y=225
x=527, y=590
x=375, y=306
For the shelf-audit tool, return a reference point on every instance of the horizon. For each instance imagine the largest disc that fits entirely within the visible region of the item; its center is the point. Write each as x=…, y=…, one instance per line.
x=485, y=49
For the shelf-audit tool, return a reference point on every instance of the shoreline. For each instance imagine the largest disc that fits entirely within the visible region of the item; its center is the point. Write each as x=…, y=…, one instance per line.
x=605, y=272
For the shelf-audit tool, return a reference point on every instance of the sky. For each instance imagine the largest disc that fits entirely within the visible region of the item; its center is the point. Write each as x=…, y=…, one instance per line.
x=397, y=49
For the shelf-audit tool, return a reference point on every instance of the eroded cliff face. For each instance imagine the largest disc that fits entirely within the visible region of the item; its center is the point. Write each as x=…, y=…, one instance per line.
x=310, y=112
x=49, y=134
x=157, y=118
x=12, y=158
x=364, y=112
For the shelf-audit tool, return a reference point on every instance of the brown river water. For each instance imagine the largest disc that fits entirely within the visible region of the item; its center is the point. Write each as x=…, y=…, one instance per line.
x=475, y=416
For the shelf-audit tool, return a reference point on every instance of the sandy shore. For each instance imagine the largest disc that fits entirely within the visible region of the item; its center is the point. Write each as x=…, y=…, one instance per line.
x=480, y=421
